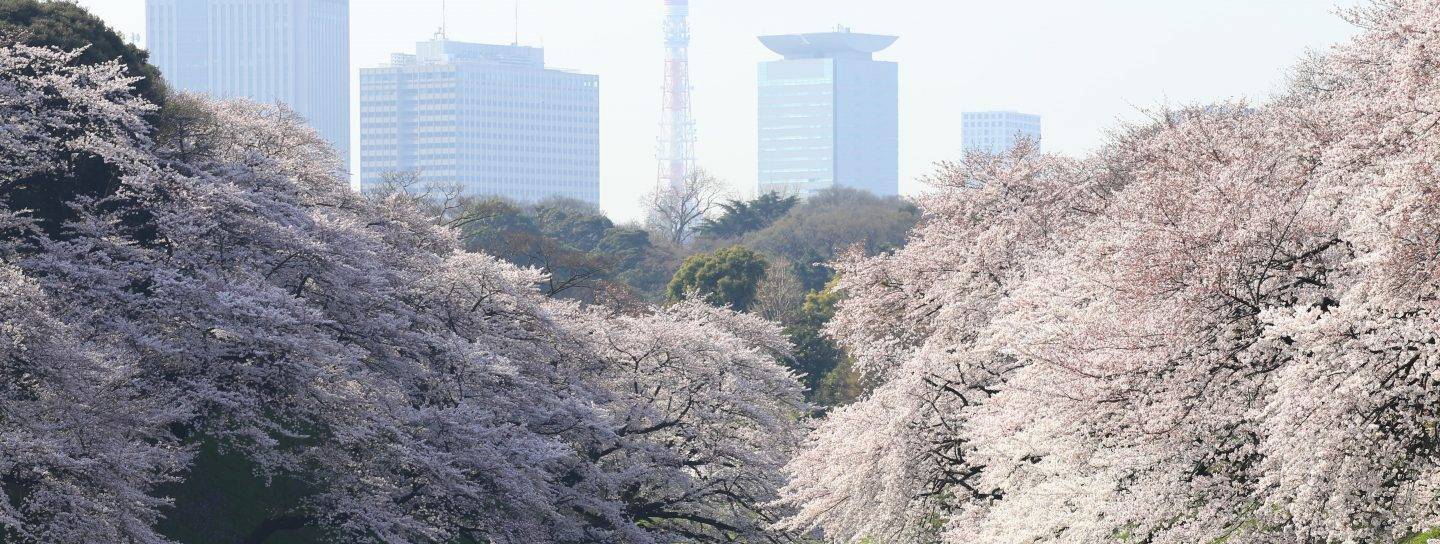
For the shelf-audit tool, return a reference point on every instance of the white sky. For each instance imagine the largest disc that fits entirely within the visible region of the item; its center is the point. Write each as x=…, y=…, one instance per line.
x=1082, y=64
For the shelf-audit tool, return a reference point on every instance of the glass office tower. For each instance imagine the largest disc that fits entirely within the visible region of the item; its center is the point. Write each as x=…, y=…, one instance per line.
x=291, y=51
x=491, y=120
x=998, y=131
x=829, y=114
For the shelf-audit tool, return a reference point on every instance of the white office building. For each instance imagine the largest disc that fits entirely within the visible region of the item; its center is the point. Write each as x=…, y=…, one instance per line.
x=291, y=51
x=829, y=114
x=998, y=131
x=489, y=119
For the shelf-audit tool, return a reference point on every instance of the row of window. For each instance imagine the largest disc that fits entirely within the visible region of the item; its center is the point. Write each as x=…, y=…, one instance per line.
x=392, y=76
x=450, y=177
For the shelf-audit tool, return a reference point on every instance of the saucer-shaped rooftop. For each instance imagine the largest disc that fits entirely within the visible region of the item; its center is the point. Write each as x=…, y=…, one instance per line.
x=821, y=45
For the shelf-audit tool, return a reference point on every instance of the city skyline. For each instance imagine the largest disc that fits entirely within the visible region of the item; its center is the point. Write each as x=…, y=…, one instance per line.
x=1069, y=62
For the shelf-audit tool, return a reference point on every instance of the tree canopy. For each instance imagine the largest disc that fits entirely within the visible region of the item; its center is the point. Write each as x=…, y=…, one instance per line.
x=67, y=26
x=83, y=47
x=821, y=228
x=738, y=217
x=727, y=278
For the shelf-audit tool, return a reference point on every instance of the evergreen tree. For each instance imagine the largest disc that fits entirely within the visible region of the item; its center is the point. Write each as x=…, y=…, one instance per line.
x=726, y=278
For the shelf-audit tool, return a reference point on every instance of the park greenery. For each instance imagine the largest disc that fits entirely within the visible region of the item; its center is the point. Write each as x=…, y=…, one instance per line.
x=769, y=256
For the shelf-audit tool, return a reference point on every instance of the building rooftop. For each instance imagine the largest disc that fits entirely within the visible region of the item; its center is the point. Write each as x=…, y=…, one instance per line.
x=821, y=45
x=443, y=51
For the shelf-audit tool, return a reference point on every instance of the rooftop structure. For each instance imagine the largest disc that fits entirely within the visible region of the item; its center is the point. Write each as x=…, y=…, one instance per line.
x=828, y=45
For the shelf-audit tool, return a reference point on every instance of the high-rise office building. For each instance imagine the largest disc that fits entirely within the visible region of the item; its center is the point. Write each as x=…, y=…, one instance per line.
x=829, y=114
x=489, y=119
x=998, y=131
x=291, y=51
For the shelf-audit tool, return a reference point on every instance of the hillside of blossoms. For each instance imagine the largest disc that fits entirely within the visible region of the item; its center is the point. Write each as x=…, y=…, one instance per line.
x=1220, y=327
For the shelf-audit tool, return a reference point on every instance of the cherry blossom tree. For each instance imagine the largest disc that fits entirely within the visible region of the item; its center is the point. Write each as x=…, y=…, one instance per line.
x=913, y=319
x=83, y=446
x=62, y=117
x=84, y=442
x=1219, y=328
x=705, y=418
x=223, y=299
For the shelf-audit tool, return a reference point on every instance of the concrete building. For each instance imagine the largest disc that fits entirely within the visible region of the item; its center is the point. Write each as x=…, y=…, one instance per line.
x=490, y=119
x=829, y=114
x=998, y=131
x=291, y=51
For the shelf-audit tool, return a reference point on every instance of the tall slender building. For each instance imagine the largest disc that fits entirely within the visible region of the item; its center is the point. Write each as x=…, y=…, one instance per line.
x=829, y=114
x=677, y=121
x=291, y=51
x=491, y=120
x=998, y=131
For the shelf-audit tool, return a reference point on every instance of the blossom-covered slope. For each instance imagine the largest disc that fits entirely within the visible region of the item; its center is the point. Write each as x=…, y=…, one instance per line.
x=1222, y=327
x=210, y=286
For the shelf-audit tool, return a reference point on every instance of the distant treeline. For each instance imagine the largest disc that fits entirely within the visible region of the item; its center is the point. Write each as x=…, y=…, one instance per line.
x=768, y=256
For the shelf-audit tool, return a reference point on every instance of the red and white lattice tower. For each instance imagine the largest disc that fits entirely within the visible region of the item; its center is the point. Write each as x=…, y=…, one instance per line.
x=677, y=123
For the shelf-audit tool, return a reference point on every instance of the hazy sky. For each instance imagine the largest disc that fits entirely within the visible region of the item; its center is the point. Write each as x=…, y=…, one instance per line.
x=1083, y=65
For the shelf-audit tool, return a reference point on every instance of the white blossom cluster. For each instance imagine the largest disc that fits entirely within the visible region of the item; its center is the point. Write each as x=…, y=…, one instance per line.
x=229, y=291
x=1220, y=328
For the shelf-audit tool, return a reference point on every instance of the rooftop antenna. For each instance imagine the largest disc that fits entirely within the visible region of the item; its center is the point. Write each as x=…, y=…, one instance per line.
x=444, y=20
x=517, y=23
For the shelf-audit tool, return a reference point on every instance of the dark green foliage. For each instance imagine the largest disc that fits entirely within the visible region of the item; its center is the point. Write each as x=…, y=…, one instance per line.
x=576, y=223
x=492, y=216
x=812, y=268
x=68, y=26
x=833, y=221
x=561, y=247
x=727, y=278
x=639, y=263
x=841, y=385
x=815, y=354
x=627, y=246
x=829, y=378
x=585, y=255
x=223, y=500
x=585, y=252
x=741, y=218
